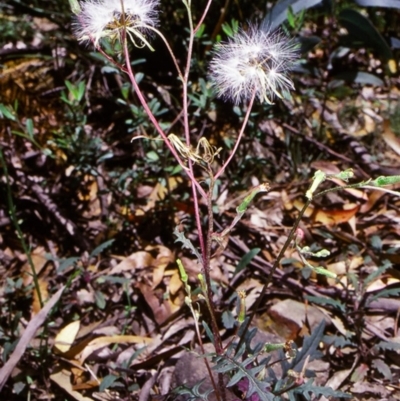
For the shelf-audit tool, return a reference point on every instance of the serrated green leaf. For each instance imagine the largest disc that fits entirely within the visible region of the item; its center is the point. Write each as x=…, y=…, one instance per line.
x=382, y=368
x=308, y=389
x=186, y=243
x=99, y=249
x=388, y=345
x=389, y=292
x=326, y=301
x=377, y=273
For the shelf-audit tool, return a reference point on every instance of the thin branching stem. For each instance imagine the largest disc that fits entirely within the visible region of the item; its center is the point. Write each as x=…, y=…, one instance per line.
x=14, y=219
x=246, y=119
x=169, y=50
x=187, y=129
x=276, y=264
x=202, y=17
x=153, y=119
x=207, y=269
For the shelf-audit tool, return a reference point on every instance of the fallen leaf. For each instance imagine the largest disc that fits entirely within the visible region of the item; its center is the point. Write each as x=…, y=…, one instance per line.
x=175, y=283
x=66, y=336
x=39, y=260
x=137, y=260
x=44, y=295
x=63, y=379
x=101, y=342
x=336, y=216
x=390, y=137
x=160, y=308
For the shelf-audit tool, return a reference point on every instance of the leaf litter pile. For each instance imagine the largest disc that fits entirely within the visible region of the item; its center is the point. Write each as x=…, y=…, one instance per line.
x=105, y=317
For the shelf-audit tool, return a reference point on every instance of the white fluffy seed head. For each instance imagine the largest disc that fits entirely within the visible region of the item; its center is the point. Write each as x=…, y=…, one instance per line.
x=103, y=18
x=253, y=62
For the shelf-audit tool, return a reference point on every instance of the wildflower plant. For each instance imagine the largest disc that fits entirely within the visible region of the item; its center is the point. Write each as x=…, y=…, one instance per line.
x=253, y=65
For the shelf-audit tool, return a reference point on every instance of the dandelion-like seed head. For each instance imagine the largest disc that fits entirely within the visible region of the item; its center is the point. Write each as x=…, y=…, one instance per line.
x=107, y=18
x=253, y=62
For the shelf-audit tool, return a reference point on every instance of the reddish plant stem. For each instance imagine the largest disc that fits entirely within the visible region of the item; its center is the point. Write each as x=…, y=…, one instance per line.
x=187, y=134
x=246, y=119
x=207, y=271
x=154, y=121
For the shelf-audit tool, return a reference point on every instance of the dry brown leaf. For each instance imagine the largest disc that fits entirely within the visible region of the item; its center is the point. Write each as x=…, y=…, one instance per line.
x=381, y=284
x=336, y=380
x=287, y=318
x=63, y=379
x=160, y=308
x=101, y=342
x=39, y=260
x=341, y=269
x=336, y=216
x=164, y=257
x=373, y=198
x=66, y=336
x=175, y=283
x=329, y=216
x=390, y=137
x=44, y=295
x=137, y=260
x=378, y=391
x=160, y=191
x=90, y=195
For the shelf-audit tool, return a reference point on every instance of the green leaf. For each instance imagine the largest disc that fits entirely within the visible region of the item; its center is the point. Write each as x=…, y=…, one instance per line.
x=385, y=180
x=75, y=7
x=65, y=263
x=113, y=280
x=228, y=320
x=278, y=13
x=29, y=127
x=388, y=345
x=208, y=331
x=246, y=259
x=152, y=156
x=290, y=17
x=388, y=292
x=382, y=368
x=107, y=382
x=310, y=347
x=100, y=300
x=7, y=112
x=180, y=237
x=361, y=31
x=308, y=389
x=200, y=31
x=101, y=248
x=377, y=273
x=326, y=301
